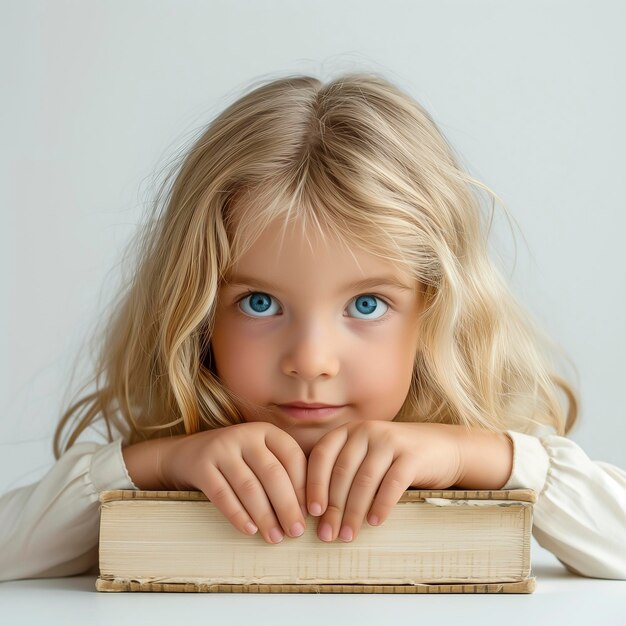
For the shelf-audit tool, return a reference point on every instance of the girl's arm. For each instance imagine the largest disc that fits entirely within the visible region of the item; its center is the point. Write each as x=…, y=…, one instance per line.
x=51, y=528
x=486, y=459
x=580, y=513
x=144, y=463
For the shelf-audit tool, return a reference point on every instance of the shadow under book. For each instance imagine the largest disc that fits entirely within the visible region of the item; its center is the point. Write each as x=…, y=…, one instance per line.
x=433, y=541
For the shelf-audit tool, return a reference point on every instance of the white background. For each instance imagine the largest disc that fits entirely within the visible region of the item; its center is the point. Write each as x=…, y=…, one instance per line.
x=98, y=97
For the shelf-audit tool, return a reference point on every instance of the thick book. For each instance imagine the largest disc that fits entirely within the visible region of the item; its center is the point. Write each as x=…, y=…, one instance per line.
x=433, y=541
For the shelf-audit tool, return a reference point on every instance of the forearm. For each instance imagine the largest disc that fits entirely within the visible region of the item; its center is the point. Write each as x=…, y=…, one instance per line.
x=486, y=459
x=144, y=462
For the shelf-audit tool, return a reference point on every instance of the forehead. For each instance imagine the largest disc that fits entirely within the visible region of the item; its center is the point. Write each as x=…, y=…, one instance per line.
x=291, y=254
x=282, y=244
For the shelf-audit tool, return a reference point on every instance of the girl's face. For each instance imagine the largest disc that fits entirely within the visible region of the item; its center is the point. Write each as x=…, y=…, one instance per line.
x=291, y=325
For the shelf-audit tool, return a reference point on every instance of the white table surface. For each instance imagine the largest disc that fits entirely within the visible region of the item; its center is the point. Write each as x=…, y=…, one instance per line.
x=560, y=597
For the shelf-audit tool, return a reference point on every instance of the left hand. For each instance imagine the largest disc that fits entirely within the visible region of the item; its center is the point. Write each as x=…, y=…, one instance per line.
x=377, y=460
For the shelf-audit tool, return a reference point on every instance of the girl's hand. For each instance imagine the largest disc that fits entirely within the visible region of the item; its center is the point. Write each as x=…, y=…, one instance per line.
x=374, y=460
x=248, y=471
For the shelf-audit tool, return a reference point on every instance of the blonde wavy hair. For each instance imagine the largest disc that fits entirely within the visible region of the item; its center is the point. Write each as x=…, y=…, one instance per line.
x=357, y=157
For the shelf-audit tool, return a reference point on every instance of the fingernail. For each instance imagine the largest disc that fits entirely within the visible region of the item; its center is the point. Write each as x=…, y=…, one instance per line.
x=326, y=532
x=345, y=534
x=275, y=535
x=250, y=528
x=297, y=529
x=315, y=508
x=373, y=520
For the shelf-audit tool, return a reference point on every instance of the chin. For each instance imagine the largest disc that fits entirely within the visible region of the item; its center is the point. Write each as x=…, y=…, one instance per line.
x=305, y=436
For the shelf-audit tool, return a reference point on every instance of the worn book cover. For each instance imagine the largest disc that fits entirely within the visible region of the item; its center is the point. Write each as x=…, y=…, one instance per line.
x=434, y=541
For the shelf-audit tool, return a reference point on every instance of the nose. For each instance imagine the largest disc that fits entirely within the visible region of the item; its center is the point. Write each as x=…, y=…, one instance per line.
x=311, y=351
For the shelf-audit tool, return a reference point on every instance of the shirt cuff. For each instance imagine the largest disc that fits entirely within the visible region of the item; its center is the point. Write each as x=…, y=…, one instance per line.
x=108, y=470
x=530, y=463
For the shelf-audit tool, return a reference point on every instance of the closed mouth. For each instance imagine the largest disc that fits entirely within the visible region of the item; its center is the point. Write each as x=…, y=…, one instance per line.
x=302, y=405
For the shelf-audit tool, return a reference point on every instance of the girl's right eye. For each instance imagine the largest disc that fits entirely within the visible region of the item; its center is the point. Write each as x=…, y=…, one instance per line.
x=259, y=302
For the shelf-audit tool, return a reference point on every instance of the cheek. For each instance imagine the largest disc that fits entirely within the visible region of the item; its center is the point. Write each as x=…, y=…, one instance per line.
x=382, y=377
x=238, y=362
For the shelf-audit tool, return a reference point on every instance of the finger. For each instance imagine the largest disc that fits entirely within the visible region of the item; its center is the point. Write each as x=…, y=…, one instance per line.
x=286, y=449
x=279, y=489
x=397, y=480
x=249, y=489
x=367, y=481
x=341, y=482
x=322, y=459
x=220, y=493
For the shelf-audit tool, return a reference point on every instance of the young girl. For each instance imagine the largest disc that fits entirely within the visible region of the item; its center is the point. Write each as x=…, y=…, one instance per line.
x=319, y=245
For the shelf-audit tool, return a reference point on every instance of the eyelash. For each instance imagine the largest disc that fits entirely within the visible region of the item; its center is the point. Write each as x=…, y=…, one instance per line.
x=248, y=292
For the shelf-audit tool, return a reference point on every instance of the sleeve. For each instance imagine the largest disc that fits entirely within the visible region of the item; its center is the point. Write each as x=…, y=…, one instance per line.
x=580, y=513
x=51, y=528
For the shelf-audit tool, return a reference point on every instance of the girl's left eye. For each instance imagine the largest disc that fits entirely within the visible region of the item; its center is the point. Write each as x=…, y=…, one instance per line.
x=366, y=304
x=260, y=305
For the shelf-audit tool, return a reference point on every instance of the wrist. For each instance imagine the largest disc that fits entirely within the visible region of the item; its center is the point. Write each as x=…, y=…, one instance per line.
x=147, y=463
x=486, y=459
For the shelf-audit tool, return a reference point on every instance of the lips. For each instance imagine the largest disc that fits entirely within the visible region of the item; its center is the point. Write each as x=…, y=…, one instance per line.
x=315, y=405
x=310, y=412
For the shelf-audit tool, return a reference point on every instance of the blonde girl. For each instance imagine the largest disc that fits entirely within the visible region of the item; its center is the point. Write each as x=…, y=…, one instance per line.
x=320, y=244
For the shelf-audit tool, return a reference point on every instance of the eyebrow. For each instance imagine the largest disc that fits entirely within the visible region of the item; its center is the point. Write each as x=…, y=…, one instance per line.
x=377, y=281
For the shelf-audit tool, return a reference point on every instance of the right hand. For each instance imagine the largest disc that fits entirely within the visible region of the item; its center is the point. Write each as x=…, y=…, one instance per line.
x=252, y=472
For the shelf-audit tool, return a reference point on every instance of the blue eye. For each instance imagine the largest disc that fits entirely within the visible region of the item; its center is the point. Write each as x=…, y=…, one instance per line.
x=259, y=301
x=260, y=304
x=366, y=304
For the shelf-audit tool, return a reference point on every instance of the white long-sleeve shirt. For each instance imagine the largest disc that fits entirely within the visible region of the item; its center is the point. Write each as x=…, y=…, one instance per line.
x=51, y=528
